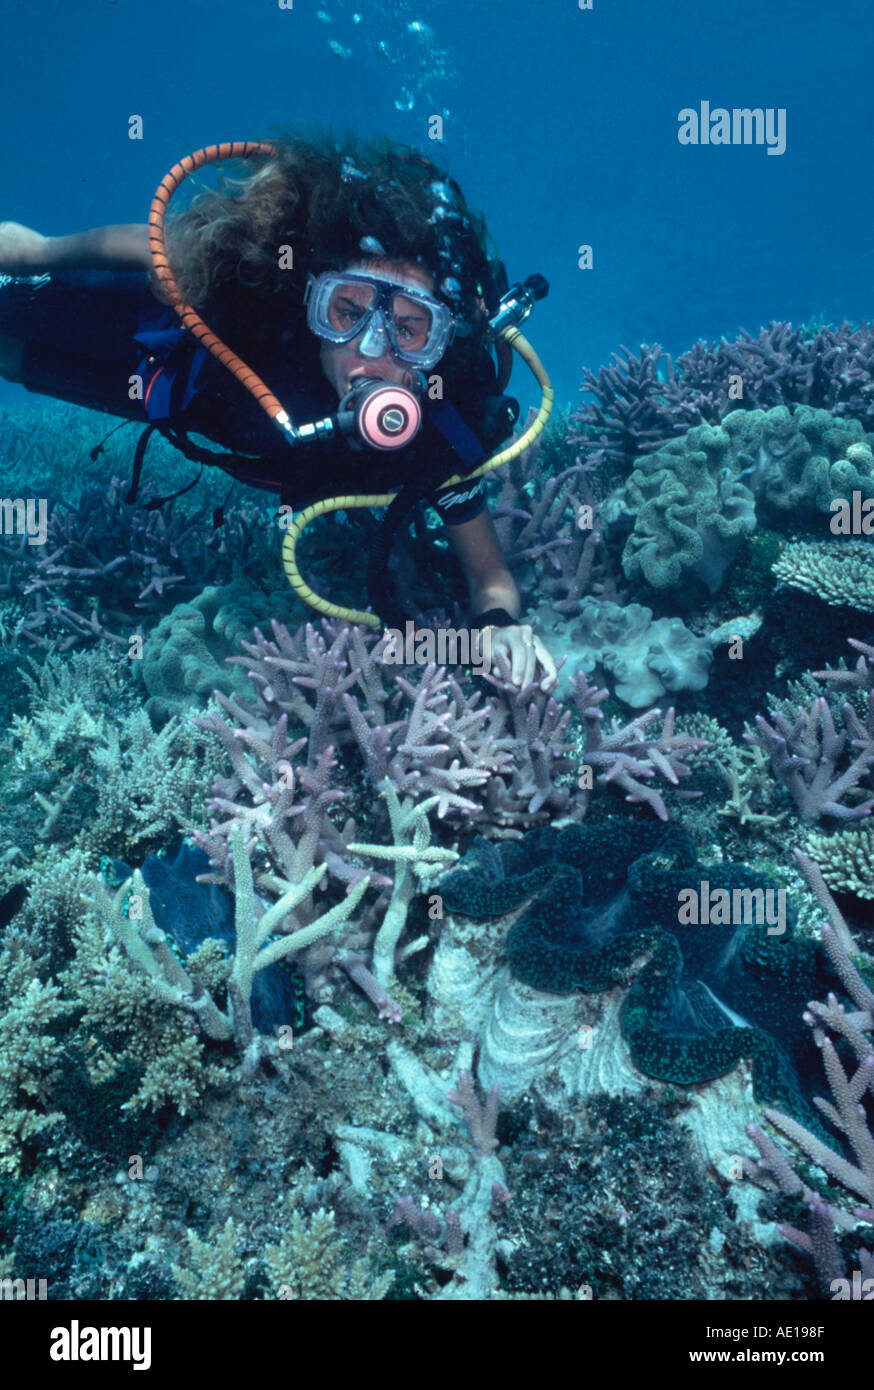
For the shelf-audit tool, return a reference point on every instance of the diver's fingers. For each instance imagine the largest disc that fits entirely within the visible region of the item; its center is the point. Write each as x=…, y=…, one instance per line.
x=549, y=679
x=518, y=653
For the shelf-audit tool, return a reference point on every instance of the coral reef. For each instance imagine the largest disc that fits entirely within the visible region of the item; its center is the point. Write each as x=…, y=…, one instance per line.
x=128, y=1036
x=846, y=860
x=689, y=505
x=87, y=767
x=504, y=759
x=490, y=1031
x=548, y=523
x=307, y=1263
x=840, y=573
x=645, y=658
x=840, y=1035
x=582, y=931
x=624, y=1208
x=812, y=758
x=30, y=1009
x=185, y=656
x=639, y=403
x=108, y=567
x=256, y=947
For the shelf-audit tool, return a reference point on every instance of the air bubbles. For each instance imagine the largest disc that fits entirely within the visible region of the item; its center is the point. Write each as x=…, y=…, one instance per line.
x=338, y=50
x=423, y=32
x=406, y=101
x=323, y=17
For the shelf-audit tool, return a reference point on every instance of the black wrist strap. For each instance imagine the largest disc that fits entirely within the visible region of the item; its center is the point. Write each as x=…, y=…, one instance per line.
x=494, y=617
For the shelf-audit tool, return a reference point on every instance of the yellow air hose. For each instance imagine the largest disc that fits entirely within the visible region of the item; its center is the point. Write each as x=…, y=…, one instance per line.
x=520, y=344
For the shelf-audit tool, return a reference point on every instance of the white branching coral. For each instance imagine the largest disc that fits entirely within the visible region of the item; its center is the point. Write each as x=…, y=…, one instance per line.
x=129, y=915
x=416, y=862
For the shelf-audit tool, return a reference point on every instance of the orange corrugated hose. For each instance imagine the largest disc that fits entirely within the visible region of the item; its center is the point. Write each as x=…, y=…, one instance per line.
x=237, y=149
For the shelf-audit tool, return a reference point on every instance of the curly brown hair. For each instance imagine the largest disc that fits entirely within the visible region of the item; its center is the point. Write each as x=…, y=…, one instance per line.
x=320, y=194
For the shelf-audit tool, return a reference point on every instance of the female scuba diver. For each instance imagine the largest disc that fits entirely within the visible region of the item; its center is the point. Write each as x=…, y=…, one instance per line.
x=330, y=266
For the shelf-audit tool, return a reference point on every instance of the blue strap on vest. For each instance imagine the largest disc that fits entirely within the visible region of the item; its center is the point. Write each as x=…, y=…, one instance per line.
x=447, y=420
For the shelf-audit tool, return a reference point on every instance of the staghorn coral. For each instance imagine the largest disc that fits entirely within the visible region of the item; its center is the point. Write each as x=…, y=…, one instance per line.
x=463, y=1242
x=832, y=1026
x=628, y=756
x=291, y=803
x=416, y=862
x=554, y=547
x=812, y=757
x=636, y=405
x=334, y=688
x=107, y=566
x=505, y=759
x=861, y=678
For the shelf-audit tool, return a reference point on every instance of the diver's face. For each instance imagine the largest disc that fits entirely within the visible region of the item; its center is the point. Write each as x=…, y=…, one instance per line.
x=343, y=363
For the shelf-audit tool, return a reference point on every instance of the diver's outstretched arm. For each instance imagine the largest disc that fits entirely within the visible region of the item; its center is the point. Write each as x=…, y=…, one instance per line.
x=26, y=252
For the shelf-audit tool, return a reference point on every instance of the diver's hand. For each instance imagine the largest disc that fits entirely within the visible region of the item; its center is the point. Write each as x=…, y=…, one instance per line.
x=22, y=250
x=526, y=654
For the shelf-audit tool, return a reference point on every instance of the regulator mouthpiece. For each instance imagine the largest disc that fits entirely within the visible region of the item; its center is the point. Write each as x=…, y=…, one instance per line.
x=380, y=414
x=375, y=413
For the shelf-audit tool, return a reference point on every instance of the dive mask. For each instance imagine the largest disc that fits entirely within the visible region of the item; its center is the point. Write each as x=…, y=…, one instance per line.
x=343, y=304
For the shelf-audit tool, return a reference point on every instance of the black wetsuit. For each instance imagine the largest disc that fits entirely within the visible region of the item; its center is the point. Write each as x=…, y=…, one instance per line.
x=86, y=333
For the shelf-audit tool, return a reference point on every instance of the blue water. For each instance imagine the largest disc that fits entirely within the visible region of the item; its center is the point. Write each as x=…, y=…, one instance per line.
x=562, y=129
x=561, y=126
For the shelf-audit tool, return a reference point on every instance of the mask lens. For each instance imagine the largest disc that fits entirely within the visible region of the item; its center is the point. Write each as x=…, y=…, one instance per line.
x=350, y=302
x=413, y=323
x=342, y=307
